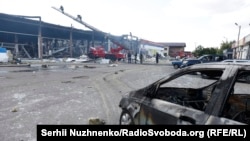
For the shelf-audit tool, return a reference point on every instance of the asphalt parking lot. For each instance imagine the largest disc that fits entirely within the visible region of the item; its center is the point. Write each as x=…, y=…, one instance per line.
x=67, y=94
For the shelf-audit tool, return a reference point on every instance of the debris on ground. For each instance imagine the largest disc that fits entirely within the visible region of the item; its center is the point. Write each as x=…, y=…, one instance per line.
x=87, y=66
x=14, y=110
x=96, y=121
x=113, y=65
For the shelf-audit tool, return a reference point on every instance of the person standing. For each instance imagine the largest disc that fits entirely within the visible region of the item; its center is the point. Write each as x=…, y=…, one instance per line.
x=157, y=57
x=141, y=58
x=129, y=57
x=135, y=57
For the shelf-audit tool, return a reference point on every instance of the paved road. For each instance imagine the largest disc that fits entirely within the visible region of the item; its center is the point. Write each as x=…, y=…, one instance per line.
x=67, y=94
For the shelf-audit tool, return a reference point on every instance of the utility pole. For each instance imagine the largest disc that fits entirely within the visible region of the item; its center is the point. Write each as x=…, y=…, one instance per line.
x=238, y=42
x=71, y=42
x=40, y=46
x=131, y=41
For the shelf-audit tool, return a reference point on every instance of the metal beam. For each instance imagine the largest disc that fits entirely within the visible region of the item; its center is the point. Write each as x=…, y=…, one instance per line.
x=77, y=19
x=26, y=52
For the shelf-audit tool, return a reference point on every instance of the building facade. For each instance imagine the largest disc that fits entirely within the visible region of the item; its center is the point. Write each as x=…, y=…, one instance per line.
x=166, y=49
x=241, y=48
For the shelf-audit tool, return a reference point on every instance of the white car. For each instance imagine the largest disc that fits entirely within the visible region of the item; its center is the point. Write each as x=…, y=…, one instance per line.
x=236, y=61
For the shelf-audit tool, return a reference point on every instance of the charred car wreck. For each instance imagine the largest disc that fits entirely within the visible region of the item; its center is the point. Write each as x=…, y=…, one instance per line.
x=210, y=93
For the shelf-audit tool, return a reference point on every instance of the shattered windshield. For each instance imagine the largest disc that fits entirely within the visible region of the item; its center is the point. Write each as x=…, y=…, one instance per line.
x=193, y=80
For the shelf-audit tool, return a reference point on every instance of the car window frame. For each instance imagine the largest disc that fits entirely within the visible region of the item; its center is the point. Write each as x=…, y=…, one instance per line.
x=217, y=98
x=187, y=114
x=177, y=75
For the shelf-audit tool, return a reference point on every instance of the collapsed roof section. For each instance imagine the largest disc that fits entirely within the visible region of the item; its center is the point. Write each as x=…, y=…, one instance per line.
x=21, y=25
x=18, y=29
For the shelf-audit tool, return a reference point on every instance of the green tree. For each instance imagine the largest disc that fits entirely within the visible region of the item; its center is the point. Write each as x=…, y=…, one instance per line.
x=200, y=50
x=225, y=45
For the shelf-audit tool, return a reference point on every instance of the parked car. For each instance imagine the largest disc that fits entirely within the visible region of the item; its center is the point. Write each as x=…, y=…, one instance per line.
x=202, y=94
x=212, y=58
x=189, y=62
x=247, y=78
x=236, y=61
x=177, y=63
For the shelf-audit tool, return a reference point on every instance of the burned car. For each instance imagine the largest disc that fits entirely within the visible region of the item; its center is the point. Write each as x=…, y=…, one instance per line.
x=201, y=94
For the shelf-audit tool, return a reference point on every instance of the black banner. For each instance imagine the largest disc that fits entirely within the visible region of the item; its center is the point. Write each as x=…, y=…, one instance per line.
x=200, y=132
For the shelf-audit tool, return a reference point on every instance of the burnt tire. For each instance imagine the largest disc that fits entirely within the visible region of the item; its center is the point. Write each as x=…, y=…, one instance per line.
x=126, y=118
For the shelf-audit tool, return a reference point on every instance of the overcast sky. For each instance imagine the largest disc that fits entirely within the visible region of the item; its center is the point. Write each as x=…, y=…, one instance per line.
x=195, y=22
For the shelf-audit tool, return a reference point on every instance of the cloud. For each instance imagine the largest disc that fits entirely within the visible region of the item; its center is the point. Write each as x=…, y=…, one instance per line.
x=207, y=22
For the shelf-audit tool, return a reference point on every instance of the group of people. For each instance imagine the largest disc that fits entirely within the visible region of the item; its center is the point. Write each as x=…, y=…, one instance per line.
x=130, y=58
x=129, y=55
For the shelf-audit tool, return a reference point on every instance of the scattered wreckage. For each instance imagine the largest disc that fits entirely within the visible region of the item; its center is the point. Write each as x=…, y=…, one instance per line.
x=202, y=94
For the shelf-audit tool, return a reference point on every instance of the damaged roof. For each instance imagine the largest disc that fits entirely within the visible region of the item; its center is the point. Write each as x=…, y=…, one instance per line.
x=11, y=24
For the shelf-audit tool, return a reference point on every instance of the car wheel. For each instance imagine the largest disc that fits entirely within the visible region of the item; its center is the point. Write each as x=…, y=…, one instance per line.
x=176, y=66
x=126, y=118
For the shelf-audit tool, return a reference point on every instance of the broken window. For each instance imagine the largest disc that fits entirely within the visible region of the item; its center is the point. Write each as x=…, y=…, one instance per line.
x=192, y=89
x=237, y=106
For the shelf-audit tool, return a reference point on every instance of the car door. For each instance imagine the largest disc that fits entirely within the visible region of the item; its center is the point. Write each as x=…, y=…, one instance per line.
x=190, y=62
x=169, y=105
x=231, y=99
x=164, y=112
